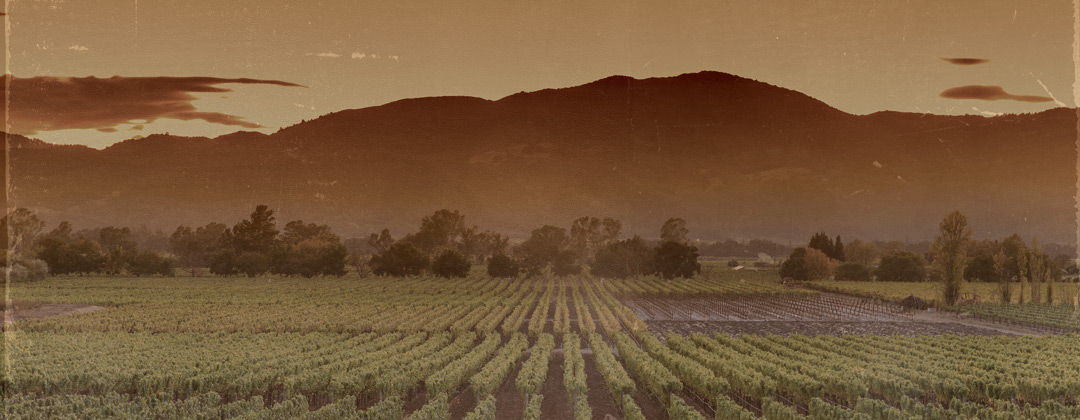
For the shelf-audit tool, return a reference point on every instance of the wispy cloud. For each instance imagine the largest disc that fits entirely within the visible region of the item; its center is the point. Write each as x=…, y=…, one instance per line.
x=989, y=93
x=46, y=103
x=964, y=61
x=78, y=48
x=328, y=55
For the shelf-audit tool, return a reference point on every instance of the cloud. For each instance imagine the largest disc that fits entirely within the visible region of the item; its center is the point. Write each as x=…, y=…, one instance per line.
x=359, y=55
x=328, y=55
x=78, y=48
x=107, y=130
x=965, y=61
x=46, y=103
x=988, y=93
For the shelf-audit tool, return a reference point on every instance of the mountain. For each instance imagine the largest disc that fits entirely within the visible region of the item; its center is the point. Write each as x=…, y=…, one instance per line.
x=733, y=156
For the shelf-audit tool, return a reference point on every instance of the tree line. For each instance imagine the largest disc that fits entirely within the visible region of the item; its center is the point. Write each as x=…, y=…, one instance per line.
x=953, y=257
x=443, y=246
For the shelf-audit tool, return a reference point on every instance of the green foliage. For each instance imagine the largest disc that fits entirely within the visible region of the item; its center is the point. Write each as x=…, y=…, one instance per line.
x=502, y=266
x=544, y=247
x=65, y=255
x=852, y=272
x=223, y=263
x=949, y=251
x=149, y=263
x=450, y=263
x=674, y=259
x=795, y=265
x=623, y=259
x=252, y=264
x=401, y=259
x=901, y=266
x=257, y=234
x=981, y=268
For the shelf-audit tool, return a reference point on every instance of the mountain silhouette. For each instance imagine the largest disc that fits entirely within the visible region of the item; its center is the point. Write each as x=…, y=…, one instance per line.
x=733, y=156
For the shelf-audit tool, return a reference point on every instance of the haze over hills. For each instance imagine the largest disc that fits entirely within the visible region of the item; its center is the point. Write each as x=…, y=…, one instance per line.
x=734, y=157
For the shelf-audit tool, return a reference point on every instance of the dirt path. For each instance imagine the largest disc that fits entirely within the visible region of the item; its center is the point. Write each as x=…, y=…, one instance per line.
x=509, y=404
x=952, y=317
x=47, y=310
x=556, y=404
x=600, y=399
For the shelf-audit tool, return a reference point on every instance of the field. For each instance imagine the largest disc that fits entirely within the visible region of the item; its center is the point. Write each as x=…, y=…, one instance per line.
x=1064, y=293
x=482, y=348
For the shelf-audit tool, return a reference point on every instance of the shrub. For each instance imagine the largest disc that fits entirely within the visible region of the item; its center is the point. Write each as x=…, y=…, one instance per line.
x=852, y=272
x=901, y=266
x=148, y=263
x=223, y=263
x=795, y=266
x=623, y=259
x=450, y=263
x=401, y=259
x=818, y=265
x=29, y=270
x=252, y=263
x=733, y=263
x=502, y=266
x=674, y=259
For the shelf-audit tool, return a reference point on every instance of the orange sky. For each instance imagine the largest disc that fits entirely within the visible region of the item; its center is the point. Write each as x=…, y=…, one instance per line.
x=860, y=56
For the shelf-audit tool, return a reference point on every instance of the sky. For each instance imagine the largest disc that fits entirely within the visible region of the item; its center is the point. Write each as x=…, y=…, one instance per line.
x=99, y=72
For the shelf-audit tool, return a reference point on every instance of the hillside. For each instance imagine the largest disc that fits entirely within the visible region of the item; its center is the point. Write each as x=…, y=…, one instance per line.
x=733, y=156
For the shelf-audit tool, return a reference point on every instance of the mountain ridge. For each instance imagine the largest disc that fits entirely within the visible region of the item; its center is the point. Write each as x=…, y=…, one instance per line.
x=734, y=156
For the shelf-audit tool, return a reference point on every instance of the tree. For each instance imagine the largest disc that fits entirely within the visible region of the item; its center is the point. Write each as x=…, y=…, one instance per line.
x=450, y=263
x=149, y=263
x=818, y=265
x=981, y=268
x=674, y=230
x=543, y=247
x=21, y=228
x=297, y=231
x=949, y=250
x=1015, y=249
x=861, y=252
x=1039, y=272
x=479, y=245
x=795, y=266
x=66, y=255
x=588, y=234
x=438, y=231
x=257, y=234
x=310, y=257
x=566, y=264
x=901, y=266
x=623, y=259
x=502, y=266
x=852, y=271
x=252, y=264
x=223, y=262
x=832, y=249
x=194, y=248
x=400, y=260
x=675, y=259
x=381, y=242
x=1001, y=271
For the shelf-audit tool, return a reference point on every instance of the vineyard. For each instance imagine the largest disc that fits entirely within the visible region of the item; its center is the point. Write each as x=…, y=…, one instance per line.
x=483, y=348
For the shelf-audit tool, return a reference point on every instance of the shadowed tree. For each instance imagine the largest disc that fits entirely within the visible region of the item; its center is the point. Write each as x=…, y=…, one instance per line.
x=381, y=242
x=588, y=234
x=450, y=263
x=676, y=259
x=674, y=230
x=543, y=248
x=622, y=259
x=901, y=266
x=794, y=267
x=400, y=260
x=949, y=251
x=861, y=252
x=1001, y=271
x=502, y=266
x=438, y=231
x=20, y=229
x=256, y=234
x=194, y=248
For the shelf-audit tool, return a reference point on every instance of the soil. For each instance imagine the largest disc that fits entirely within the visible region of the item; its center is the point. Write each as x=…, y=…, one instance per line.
x=509, y=404
x=556, y=404
x=600, y=400
x=651, y=407
x=905, y=328
x=463, y=402
x=23, y=311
